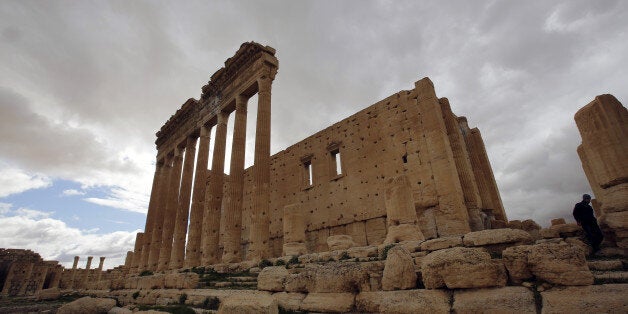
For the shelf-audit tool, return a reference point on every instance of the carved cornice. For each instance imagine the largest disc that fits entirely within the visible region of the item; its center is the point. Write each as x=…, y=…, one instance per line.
x=243, y=58
x=187, y=111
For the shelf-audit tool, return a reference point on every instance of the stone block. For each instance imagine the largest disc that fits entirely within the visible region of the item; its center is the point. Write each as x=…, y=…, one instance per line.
x=248, y=303
x=375, y=231
x=87, y=305
x=340, y=277
x=300, y=282
x=49, y=294
x=496, y=236
x=556, y=263
x=558, y=221
x=294, y=248
x=403, y=232
x=609, y=298
x=494, y=300
x=328, y=302
x=340, y=242
x=441, y=243
x=567, y=230
x=272, y=278
x=462, y=267
x=289, y=301
x=399, y=271
x=403, y=301
x=362, y=251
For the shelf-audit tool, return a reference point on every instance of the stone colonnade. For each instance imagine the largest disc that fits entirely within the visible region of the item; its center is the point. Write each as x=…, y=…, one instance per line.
x=179, y=189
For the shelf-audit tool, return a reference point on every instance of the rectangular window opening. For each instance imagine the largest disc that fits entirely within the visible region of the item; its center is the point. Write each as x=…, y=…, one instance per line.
x=307, y=173
x=337, y=166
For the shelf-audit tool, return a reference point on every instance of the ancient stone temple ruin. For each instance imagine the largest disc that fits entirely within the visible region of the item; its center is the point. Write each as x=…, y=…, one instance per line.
x=394, y=209
x=405, y=168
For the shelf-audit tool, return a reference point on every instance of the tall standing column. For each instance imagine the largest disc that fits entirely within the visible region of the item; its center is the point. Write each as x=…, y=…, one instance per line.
x=233, y=199
x=138, y=251
x=155, y=246
x=86, y=274
x=213, y=198
x=100, y=265
x=183, y=210
x=259, y=247
x=193, y=250
x=73, y=277
x=171, y=211
x=150, y=217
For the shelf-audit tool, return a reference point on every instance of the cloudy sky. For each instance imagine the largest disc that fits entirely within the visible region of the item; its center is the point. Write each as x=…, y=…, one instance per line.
x=84, y=86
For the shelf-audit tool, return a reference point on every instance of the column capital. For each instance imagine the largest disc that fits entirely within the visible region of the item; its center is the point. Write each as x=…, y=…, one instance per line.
x=191, y=142
x=205, y=131
x=241, y=102
x=264, y=84
x=222, y=117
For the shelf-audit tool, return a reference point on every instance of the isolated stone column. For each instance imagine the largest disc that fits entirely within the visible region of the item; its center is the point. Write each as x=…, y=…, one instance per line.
x=603, y=126
x=213, y=198
x=155, y=247
x=463, y=166
x=171, y=211
x=74, y=266
x=259, y=237
x=400, y=213
x=193, y=250
x=233, y=199
x=86, y=273
x=183, y=210
x=150, y=216
x=100, y=265
x=293, y=230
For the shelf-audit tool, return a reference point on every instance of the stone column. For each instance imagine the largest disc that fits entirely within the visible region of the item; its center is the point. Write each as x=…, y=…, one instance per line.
x=137, y=253
x=57, y=277
x=155, y=246
x=183, y=210
x=213, y=197
x=463, y=166
x=293, y=231
x=487, y=186
x=26, y=278
x=100, y=265
x=259, y=236
x=86, y=274
x=74, y=266
x=150, y=216
x=233, y=199
x=171, y=211
x=400, y=213
x=128, y=260
x=193, y=250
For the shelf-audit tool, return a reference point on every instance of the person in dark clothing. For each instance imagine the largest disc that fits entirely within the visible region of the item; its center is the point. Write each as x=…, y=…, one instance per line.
x=583, y=213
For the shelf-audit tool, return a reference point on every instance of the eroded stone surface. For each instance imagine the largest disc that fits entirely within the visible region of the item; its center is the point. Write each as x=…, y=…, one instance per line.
x=406, y=301
x=462, y=267
x=494, y=300
x=399, y=271
x=557, y=263
x=590, y=299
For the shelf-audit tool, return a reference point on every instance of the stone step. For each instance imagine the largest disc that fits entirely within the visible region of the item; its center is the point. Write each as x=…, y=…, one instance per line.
x=606, y=265
x=243, y=278
x=605, y=277
x=222, y=284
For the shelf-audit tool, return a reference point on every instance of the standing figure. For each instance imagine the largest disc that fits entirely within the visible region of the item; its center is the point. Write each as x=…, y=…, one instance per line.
x=583, y=213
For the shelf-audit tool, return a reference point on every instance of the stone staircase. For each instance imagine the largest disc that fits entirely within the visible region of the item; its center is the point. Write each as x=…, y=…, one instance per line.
x=608, y=271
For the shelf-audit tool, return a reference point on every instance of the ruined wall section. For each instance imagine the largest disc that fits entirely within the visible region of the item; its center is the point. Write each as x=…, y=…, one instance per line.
x=395, y=136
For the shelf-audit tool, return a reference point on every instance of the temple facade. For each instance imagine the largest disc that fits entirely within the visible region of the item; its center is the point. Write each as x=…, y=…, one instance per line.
x=347, y=179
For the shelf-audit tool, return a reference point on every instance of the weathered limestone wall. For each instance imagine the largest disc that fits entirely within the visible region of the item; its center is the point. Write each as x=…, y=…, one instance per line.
x=24, y=273
x=404, y=134
x=603, y=126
